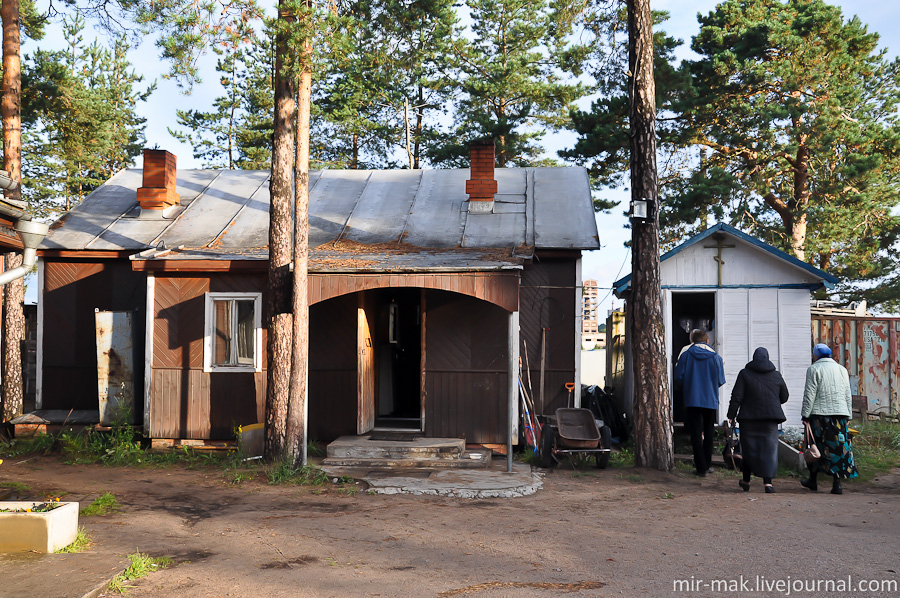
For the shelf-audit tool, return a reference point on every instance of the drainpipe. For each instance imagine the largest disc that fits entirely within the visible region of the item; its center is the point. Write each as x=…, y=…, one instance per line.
x=31, y=233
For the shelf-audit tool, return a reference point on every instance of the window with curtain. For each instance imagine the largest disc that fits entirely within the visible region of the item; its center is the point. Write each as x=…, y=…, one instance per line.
x=233, y=332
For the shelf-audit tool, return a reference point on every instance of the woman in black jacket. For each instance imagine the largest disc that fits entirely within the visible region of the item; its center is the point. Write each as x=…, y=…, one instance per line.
x=756, y=401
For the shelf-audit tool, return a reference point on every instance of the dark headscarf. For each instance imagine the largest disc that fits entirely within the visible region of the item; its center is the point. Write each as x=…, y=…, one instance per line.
x=761, y=361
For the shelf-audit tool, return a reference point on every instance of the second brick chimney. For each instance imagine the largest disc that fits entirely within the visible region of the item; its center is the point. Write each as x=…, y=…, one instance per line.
x=481, y=186
x=158, y=190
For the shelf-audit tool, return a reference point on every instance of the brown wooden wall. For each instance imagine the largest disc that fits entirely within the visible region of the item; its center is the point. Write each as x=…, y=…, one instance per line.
x=73, y=289
x=466, y=362
x=332, y=368
x=547, y=300
x=500, y=288
x=187, y=402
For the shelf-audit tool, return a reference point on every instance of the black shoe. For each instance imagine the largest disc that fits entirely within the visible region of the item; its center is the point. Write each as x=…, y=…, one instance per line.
x=710, y=470
x=811, y=485
x=770, y=489
x=745, y=486
x=701, y=474
x=837, y=489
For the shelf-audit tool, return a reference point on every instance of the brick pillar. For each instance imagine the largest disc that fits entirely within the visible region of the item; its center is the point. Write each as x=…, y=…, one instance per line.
x=482, y=186
x=158, y=190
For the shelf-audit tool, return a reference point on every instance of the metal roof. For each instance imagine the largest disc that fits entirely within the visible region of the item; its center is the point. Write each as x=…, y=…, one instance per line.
x=224, y=214
x=827, y=280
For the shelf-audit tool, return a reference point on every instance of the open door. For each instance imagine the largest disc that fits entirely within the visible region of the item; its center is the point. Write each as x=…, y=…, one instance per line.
x=690, y=311
x=365, y=374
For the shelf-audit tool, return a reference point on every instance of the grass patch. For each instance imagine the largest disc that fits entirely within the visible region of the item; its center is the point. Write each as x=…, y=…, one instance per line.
x=622, y=458
x=876, y=449
x=18, y=447
x=15, y=486
x=631, y=477
x=285, y=472
x=104, y=504
x=141, y=566
x=80, y=544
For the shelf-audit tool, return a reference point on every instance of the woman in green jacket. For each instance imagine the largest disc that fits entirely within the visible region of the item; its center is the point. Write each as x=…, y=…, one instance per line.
x=827, y=407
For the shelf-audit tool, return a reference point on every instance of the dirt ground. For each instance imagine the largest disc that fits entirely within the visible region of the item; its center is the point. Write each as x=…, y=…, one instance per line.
x=617, y=532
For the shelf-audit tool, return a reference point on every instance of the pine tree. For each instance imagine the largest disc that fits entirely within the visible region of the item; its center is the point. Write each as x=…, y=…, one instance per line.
x=603, y=130
x=798, y=108
x=237, y=132
x=510, y=82
x=81, y=126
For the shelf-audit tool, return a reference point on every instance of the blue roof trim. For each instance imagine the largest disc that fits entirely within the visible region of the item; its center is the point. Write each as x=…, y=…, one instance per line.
x=828, y=281
x=812, y=286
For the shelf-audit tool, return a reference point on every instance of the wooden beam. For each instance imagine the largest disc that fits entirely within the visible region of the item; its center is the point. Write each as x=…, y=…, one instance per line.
x=199, y=265
x=83, y=255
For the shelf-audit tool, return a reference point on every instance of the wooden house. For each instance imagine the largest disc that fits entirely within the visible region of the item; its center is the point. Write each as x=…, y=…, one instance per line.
x=423, y=287
x=746, y=294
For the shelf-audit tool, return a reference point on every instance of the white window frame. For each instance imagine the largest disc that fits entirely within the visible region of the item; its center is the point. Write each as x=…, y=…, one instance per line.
x=209, y=331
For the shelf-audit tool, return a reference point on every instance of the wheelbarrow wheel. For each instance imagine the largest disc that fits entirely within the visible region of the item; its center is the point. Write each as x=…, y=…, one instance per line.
x=601, y=460
x=548, y=437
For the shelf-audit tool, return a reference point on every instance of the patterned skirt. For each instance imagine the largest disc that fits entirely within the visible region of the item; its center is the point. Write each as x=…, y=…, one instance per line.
x=833, y=441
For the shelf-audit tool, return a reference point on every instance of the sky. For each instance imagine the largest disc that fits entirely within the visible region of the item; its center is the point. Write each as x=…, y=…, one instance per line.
x=606, y=265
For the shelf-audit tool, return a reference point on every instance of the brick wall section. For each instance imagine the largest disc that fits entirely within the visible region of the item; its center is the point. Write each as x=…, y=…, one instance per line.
x=158, y=190
x=481, y=186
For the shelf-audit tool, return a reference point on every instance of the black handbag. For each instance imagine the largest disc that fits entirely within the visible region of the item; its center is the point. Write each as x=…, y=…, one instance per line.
x=732, y=451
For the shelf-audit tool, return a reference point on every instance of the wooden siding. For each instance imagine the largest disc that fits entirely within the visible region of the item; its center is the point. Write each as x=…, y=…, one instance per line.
x=547, y=301
x=187, y=402
x=776, y=319
x=499, y=288
x=466, y=377
x=744, y=264
x=333, y=368
x=73, y=290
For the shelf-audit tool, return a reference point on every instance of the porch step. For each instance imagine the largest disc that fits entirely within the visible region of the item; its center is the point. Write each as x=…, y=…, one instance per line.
x=474, y=460
x=364, y=451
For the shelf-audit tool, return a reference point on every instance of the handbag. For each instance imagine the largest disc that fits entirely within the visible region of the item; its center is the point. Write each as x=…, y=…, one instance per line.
x=732, y=451
x=811, y=453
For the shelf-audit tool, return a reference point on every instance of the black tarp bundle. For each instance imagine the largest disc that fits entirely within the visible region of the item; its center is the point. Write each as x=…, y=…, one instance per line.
x=603, y=406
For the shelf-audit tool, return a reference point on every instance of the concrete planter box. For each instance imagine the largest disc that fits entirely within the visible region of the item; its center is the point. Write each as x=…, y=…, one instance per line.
x=791, y=457
x=39, y=532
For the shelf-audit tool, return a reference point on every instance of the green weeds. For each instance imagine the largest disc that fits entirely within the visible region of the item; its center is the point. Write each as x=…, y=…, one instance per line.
x=141, y=566
x=17, y=487
x=284, y=472
x=104, y=504
x=80, y=544
x=876, y=449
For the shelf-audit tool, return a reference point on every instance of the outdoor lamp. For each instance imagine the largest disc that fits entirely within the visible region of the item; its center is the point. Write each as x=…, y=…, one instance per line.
x=641, y=209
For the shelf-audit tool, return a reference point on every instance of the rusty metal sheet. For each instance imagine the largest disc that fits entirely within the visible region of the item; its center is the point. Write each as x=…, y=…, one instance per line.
x=115, y=367
x=868, y=348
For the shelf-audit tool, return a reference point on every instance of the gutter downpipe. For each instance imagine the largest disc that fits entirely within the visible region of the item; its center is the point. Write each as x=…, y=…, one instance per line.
x=31, y=233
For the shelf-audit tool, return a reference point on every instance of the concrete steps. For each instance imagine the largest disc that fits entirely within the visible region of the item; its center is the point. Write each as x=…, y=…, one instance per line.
x=412, y=453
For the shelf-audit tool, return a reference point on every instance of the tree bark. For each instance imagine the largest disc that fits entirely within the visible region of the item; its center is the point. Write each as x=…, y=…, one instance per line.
x=14, y=334
x=652, y=415
x=14, y=292
x=278, y=303
x=298, y=410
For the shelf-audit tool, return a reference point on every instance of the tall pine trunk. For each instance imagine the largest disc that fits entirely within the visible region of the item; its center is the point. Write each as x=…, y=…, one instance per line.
x=652, y=417
x=278, y=303
x=298, y=410
x=13, y=292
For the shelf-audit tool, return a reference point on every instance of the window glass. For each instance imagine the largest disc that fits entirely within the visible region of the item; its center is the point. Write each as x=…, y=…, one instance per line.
x=223, y=334
x=233, y=333
x=244, y=333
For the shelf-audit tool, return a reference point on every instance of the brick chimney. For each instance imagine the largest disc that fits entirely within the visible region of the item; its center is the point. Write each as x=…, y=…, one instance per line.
x=158, y=190
x=482, y=186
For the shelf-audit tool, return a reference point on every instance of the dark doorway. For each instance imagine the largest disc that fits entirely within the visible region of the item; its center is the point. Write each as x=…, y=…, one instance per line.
x=398, y=359
x=690, y=311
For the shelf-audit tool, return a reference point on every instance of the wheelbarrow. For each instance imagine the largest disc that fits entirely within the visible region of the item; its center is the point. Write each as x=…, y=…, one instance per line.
x=574, y=431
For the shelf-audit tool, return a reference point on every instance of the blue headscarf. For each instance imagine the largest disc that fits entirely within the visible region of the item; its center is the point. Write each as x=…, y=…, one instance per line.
x=821, y=350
